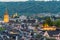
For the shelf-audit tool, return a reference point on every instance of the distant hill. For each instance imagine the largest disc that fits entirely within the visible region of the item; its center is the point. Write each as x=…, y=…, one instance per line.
x=30, y=7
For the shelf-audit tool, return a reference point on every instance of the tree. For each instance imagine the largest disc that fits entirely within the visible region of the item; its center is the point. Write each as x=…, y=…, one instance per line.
x=36, y=26
x=1, y=28
x=48, y=21
x=38, y=36
x=57, y=23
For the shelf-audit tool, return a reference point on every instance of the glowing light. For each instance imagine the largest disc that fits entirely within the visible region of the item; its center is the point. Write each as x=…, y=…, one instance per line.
x=6, y=17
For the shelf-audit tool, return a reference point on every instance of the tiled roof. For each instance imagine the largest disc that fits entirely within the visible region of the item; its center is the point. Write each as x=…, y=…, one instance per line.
x=51, y=33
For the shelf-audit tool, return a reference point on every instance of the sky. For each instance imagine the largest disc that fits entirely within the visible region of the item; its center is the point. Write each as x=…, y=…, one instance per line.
x=22, y=0
x=12, y=0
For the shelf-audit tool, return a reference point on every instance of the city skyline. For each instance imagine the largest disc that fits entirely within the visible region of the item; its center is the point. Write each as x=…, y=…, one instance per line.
x=30, y=20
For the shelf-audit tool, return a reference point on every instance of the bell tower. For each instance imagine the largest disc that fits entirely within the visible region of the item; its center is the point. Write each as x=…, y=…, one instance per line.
x=6, y=16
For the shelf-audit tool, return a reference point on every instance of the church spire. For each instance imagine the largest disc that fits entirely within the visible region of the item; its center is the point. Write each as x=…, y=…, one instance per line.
x=6, y=16
x=6, y=12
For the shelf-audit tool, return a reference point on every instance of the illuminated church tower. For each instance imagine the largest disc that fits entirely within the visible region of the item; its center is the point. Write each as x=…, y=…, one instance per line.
x=6, y=17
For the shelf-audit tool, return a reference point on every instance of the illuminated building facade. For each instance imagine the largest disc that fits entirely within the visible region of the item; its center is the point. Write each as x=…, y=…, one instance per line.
x=6, y=17
x=47, y=27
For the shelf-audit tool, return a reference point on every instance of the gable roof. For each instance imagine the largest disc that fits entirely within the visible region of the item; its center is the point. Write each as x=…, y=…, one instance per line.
x=46, y=34
x=50, y=33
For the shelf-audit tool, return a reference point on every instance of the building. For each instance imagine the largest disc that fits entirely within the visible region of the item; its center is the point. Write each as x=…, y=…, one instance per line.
x=52, y=34
x=48, y=28
x=15, y=15
x=22, y=17
x=6, y=17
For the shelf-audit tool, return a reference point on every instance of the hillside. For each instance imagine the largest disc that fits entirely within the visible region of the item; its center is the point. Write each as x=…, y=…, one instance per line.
x=30, y=7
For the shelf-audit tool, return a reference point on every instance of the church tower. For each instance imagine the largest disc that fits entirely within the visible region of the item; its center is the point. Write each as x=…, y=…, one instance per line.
x=6, y=17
